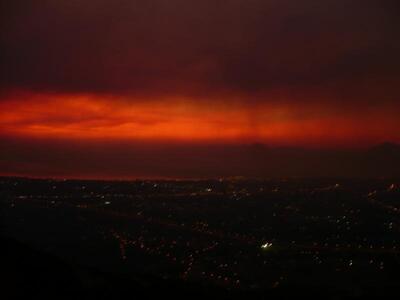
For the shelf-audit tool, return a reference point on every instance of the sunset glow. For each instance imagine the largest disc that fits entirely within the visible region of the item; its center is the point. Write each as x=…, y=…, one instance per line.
x=163, y=88
x=111, y=118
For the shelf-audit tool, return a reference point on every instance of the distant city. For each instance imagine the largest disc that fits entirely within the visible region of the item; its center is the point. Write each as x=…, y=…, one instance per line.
x=234, y=234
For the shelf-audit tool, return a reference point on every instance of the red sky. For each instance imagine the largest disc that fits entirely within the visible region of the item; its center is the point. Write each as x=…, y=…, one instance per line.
x=299, y=73
x=77, y=117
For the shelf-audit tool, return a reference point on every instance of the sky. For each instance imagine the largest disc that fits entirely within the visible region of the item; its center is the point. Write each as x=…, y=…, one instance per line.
x=192, y=75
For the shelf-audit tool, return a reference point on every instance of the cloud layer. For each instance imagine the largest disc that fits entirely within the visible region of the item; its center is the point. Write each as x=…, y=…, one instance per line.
x=334, y=50
x=145, y=88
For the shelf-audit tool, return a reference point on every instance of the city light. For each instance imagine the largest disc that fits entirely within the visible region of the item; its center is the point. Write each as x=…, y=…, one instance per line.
x=266, y=246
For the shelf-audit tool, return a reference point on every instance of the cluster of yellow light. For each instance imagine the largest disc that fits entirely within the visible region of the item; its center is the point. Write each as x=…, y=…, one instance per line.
x=266, y=246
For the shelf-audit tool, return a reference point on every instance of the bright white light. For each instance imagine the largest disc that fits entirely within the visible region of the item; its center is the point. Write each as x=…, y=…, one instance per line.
x=266, y=245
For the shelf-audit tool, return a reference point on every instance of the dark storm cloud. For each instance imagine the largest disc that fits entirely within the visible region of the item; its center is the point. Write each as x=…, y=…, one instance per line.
x=133, y=160
x=348, y=49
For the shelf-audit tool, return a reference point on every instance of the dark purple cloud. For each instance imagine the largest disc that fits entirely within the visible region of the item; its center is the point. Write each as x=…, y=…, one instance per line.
x=345, y=49
x=94, y=159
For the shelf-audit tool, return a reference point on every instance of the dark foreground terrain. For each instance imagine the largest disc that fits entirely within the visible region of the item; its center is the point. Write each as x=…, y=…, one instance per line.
x=231, y=238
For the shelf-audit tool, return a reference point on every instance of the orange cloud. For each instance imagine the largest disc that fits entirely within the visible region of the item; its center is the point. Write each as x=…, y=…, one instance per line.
x=187, y=120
